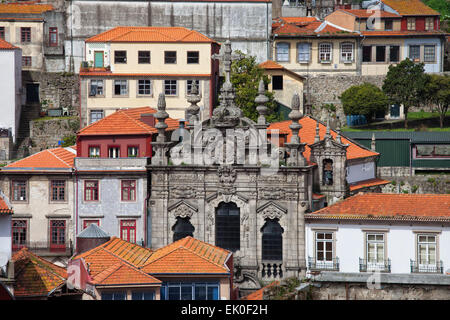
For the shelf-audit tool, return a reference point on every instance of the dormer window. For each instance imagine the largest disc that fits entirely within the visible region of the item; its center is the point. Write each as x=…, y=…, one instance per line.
x=388, y=24
x=429, y=23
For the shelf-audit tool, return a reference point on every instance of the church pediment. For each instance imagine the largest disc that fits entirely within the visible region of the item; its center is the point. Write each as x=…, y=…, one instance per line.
x=271, y=210
x=182, y=209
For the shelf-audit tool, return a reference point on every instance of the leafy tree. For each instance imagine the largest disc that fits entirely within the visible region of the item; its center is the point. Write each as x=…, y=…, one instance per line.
x=69, y=141
x=245, y=77
x=404, y=84
x=365, y=99
x=437, y=92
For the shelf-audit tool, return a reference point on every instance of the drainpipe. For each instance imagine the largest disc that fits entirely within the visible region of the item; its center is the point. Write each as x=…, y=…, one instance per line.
x=76, y=208
x=148, y=213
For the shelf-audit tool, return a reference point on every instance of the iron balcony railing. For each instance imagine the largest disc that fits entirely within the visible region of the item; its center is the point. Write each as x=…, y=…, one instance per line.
x=368, y=266
x=331, y=265
x=416, y=267
x=46, y=248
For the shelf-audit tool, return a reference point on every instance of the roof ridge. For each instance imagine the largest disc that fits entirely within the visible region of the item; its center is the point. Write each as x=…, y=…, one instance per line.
x=37, y=260
x=137, y=121
x=50, y=150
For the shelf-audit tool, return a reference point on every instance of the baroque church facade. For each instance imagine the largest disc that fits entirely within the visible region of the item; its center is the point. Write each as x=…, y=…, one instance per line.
x=243, y=193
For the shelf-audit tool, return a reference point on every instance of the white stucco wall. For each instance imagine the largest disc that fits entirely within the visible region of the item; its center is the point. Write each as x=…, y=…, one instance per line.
x=360, y=172
x=5, y=240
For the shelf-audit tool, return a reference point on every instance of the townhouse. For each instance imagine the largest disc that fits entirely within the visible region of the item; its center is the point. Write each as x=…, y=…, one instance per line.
x=40, y=187
x=130, y=66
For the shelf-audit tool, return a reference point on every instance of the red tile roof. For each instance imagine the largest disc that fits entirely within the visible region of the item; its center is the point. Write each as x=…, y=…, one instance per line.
x=368, y=183
x=151, y=34
x=4, y=45
x=32, y=8
x=309, y=27
x=403, y=33
x=122, y=273
x=388, y=206
x=188, y=256
x=308, y=132
x=272, y=65
x=4, y=207
x=56, y=158
x=125, y=122
x=259, y=294
x=35, y=276
x=410, y=7
x=366, y=13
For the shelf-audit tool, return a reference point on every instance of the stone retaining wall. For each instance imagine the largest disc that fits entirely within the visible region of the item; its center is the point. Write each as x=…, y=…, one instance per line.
x=45, y=134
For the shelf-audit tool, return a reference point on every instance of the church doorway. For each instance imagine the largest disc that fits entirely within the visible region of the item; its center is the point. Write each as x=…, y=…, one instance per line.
x=228, y=226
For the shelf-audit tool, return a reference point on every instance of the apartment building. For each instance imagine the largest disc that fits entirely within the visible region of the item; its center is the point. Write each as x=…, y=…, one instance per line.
x=128, y=67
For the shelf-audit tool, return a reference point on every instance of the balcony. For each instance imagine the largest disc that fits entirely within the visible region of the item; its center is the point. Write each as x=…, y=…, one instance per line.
x=416, y=267
x=44, y=248
x=323, y=265
x=272, y=270
x=365, y=266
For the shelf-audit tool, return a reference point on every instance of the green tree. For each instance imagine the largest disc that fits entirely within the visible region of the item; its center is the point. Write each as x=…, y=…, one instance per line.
x=365, y=99
x=437, y=92
x=245, y=77
x=69, y=141
x=404, y=85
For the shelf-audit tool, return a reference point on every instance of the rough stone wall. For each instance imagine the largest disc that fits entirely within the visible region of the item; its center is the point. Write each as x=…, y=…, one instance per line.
x=61, y=89
x=357, y=291
x=45, y=134
x=418, y=184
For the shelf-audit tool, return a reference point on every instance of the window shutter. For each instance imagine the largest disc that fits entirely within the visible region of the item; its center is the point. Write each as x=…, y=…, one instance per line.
x=93, y=90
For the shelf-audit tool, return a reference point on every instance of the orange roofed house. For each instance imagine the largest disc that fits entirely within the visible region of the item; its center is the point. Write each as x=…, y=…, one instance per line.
x=402, y=236
x=130, y=66
x=187, y=269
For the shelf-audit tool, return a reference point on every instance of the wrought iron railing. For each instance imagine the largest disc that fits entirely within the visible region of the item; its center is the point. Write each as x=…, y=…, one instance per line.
x=365, y=266
x=416, y=267
x=331, y=265
x=272, y=269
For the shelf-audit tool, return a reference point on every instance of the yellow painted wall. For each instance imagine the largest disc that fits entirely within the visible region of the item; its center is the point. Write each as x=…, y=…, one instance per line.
x=381, y=68
x=291, y=85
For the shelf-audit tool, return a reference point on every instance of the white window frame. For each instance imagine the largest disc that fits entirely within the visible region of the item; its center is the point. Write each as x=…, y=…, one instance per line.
x=189, y=86
x=427, y=244
x=138, y=87
x=123, y=92
x=327, y=55
x=285, y=57
x=409, y=51
x=347, y=56
x=324, y=263
x=425, y=53
x=303, y=52
x=376, y=264
x=91, y=112
x=411, y=24
x=429, y=23
x=176, y=87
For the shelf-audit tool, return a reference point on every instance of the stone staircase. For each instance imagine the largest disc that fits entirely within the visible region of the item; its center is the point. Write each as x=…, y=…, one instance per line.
x=22, y=146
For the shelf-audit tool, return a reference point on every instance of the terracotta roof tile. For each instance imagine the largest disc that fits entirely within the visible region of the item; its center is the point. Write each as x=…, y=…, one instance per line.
x=269, y=64
x=35, y=276
x=4, y=45
x=385, y=205
x=309, y=28
x=125, y=121
x=308, y=132
x=366, y=13
x=150, y=34
x=122, y=273
x=46, y=159
x=403, y=33
x=32, y=8
x=410, y=7
x=368, y=183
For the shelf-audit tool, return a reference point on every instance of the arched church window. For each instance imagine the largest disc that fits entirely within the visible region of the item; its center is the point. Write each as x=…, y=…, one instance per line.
x=272, y=240
x=228, y=227
x=182, y=228
x=328, y=172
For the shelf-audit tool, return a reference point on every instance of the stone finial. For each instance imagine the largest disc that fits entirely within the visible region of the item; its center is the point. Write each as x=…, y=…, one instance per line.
x=161, y=115
x=261, y=100
x=192, y=111
x=327, y=133
x=373, y=143
x=295, y=115
x=317, y=136
x=338, y=137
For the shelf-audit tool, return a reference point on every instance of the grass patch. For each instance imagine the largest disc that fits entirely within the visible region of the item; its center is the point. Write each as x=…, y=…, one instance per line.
x=424, y=115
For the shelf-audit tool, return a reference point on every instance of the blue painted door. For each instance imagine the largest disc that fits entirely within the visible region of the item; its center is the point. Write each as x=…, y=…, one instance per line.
x=98, y=57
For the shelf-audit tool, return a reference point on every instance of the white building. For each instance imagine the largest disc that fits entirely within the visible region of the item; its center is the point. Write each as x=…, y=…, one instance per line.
x=10, y=91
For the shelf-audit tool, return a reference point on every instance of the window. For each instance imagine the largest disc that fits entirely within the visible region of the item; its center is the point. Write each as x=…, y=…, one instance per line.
x=375, y=248
x=380, y=53
x=282, y=49
x=96, y=88
x=426, y=249
x=228, y=226
x=189, y=84
x=304, y=52
x=277, y=82
x=94, y=152
x=170, y=57
x=87, y=223
x=114, y=296
x=133, y=152
x=26, y=61
x=95, y=116
x=128, y=190
x=57, y=235
x=91, y=190
x=170, y=87
x=367, y=53
x=120, y=57
x=193, y=57
x=143, y=56
x=429, y=23
x=347, y=52
x=324, y=247
x=411, y=23
x=19, y=190
x=388, y=24
x=58, y=190
x=19, y=234
x=2, y=33
x=272, y=241
x=128, y=230
x=113, y=152
x=414, y=53
x=325, y=52
x=429, y=53
x=25, y=35
x=145, y=87
x=190, y=291
x=182, y=228
x=394, y=53
x=142, y=295
x=120, y=87
x=432, y=151
x=327, y=172
x=52, y=36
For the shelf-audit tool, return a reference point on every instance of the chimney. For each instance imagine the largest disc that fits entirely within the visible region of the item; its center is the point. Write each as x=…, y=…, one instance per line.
x=148, y=119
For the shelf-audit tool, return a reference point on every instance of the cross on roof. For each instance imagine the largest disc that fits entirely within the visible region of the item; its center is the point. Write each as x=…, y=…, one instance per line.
x=227, y=57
